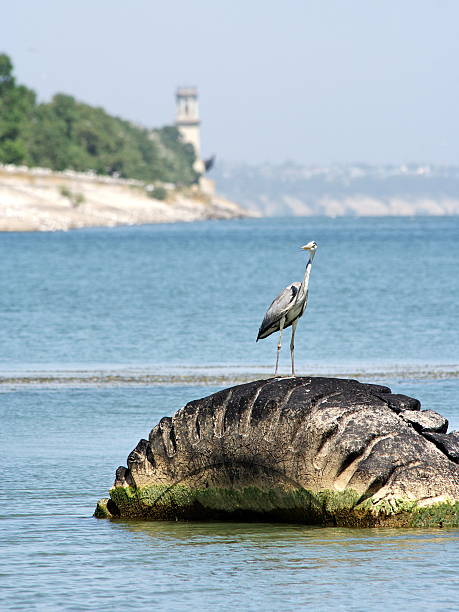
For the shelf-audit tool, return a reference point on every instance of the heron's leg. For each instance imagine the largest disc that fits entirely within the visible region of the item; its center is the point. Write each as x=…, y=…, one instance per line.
x=292, y=346
x=281, y=327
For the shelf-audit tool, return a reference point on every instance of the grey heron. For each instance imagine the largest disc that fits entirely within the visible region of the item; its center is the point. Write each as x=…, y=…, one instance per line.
x=287, y=308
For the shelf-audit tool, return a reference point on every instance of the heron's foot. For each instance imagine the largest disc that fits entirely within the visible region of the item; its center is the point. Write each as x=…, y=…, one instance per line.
x=283, y=376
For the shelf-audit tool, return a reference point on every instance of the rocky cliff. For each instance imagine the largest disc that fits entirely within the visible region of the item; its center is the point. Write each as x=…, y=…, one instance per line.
x=41, y=200
x=312, y=450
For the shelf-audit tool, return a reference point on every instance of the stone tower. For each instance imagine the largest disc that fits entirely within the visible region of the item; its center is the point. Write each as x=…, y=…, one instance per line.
x=187, y=121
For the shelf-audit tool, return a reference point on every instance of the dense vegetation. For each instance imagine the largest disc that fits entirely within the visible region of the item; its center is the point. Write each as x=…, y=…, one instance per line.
x=67, y=134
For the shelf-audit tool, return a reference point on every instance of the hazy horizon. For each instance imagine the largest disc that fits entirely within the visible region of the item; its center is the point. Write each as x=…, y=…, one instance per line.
x=308, y=82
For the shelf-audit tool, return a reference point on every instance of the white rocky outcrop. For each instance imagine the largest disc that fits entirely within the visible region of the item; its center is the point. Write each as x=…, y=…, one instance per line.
x=38, y=199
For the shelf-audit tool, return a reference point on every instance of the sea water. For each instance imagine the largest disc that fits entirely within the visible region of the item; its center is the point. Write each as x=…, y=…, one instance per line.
x=105, y=331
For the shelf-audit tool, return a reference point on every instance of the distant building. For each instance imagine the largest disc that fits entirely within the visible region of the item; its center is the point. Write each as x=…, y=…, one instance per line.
x=187, y=121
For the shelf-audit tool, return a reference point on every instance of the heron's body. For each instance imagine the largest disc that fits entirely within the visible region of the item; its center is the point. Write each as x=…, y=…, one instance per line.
x=286, y=304
x=287, y=308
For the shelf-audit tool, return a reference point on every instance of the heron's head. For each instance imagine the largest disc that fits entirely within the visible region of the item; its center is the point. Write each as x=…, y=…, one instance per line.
x=311, y=246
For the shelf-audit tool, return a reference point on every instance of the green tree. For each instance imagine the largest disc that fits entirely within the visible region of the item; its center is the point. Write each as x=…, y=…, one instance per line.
x=16, y=109
x=67, y=134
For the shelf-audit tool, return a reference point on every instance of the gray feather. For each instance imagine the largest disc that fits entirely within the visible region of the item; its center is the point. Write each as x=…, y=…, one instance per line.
x=278, y=309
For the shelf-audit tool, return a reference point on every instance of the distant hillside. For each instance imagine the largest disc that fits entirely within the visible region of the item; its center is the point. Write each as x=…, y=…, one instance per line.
x=66, y=134
x=352, y=189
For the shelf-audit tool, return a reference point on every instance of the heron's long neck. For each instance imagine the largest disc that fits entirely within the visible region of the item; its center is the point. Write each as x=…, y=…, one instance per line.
x=304, y=285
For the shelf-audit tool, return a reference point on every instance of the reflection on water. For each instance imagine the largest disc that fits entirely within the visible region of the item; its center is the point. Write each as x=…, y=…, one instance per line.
x=292, y=566
x=304, y=538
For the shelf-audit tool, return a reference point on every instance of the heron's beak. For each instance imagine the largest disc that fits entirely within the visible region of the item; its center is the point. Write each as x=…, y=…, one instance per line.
x=306, y=247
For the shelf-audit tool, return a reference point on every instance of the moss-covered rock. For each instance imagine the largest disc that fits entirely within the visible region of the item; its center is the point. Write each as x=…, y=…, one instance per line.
x=309, y=450
x=341, y=509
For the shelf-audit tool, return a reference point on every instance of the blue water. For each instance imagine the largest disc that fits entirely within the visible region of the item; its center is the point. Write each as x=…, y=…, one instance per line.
x=382, y=291
x=78, y=308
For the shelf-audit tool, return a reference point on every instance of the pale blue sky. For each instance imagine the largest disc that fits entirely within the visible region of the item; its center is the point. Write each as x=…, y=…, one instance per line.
x=313, y=81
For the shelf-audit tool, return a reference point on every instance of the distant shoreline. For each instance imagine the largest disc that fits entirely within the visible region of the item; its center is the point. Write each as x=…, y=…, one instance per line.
x=340, y=190
x=39, y=199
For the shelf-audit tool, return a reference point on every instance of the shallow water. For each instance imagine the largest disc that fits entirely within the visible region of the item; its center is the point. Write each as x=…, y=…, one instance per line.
x=61, y=447
x=98, y=344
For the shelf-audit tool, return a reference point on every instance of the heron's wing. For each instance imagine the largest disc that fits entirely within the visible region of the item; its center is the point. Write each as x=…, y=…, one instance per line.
x=279, y=307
